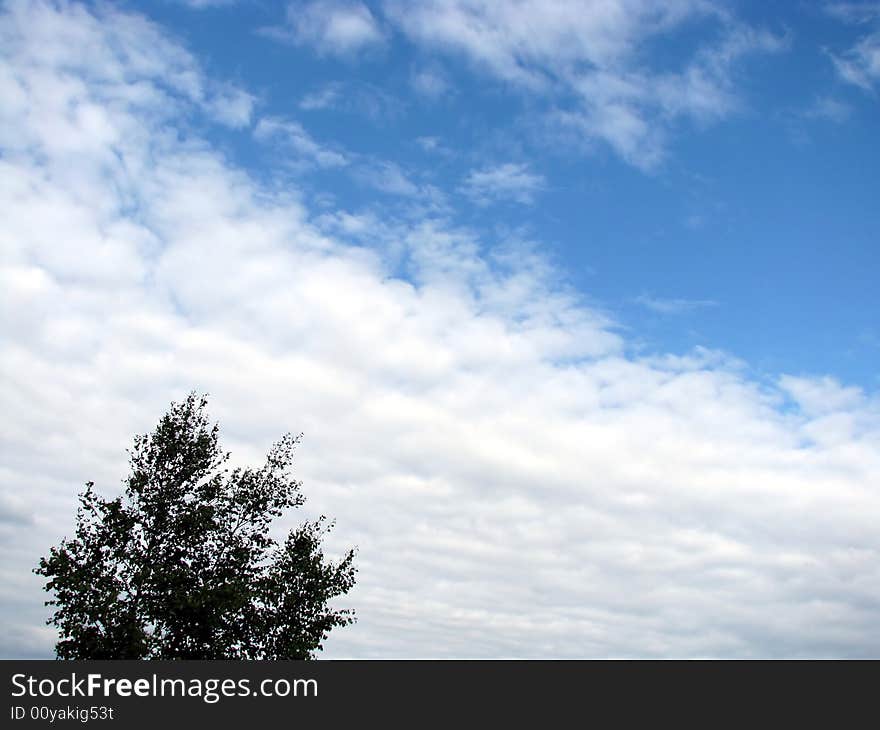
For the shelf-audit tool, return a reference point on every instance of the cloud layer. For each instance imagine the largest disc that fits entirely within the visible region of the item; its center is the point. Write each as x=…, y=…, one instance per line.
x=589, y=61
x=519, y=482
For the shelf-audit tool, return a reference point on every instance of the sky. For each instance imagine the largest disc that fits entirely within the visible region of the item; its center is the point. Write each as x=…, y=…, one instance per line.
x=573, y=302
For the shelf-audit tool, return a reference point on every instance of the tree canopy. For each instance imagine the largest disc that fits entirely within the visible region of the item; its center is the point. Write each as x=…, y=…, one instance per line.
x=182, y=565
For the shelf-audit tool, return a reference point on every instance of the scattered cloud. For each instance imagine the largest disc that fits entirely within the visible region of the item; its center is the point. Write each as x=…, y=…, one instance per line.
x=387, y=177
x=587, y=61
x=509, y=181
x=232, y=107
x=821, y=396
x=361, y=99
x=830, y=109
x=435, y=146
x=518, y=482
x=429, y=144
x=295, y=148
x=391, y=179
x=673, y=306
x=532, y=42
x=204, y=4
x=430, y=83
x=862, y=12
x=336, y=28
x=327, y=97
x=291, y=136
x=695, y=221
x=860, y=64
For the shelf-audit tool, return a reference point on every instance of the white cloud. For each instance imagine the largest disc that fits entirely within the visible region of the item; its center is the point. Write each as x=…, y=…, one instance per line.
x=860, y=64
x=517, y=483
x=363, y=99
x=203, y=4
x=338, y=27
x=859, y=12
x=429, y=144
x=430, y=83
x=530, y=41
x=589, y=60
x=291, y=144
x=291, y=135
x=435, y=146
x=673, y=306
x=821, y=396
x=387, y=177
x=390, y=178
x=828, y=108
x=509, y=181
x=327, y=97
x=232, y=106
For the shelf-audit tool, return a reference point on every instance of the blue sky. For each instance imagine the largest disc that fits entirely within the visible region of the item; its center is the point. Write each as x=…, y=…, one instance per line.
x=573, y=302
x=754, y=232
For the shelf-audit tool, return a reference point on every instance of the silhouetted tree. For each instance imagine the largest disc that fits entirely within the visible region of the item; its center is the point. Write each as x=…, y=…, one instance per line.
x=181, y=566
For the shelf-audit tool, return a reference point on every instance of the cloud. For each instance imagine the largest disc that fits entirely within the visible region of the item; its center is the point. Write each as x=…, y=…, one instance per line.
x=204, y=4
x=327, y=97
x=830, y=109
x=860, y=64
x=587, y=60
x=821, y=396
x=518, y=482
x=362, y=99
x=421, y=198
x=861, y=12
x=290, y=135
x=509, y=181
x=435, y=146
x=530, y=42
x=289, y=142
x=332, y=28
x=232, y=107
x=673, y=306
x=430, y=83
x=12, y=513
x=387, y=177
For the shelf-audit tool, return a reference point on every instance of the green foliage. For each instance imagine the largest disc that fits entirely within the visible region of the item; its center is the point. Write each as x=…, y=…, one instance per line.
x=182, y=566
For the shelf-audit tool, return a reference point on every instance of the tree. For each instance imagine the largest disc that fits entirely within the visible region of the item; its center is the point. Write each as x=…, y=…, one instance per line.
x=182, y=565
